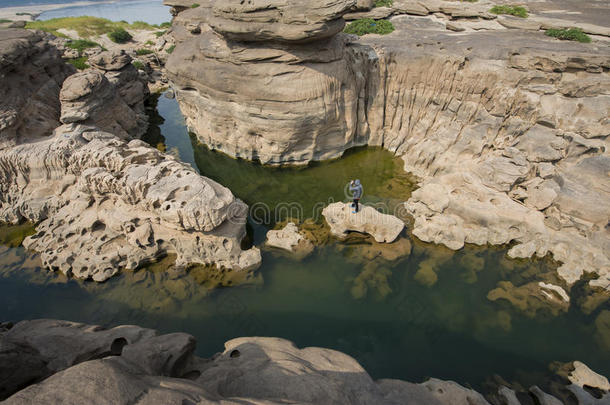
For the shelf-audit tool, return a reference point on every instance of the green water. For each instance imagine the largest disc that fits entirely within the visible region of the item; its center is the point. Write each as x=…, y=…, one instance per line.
x=407, y=316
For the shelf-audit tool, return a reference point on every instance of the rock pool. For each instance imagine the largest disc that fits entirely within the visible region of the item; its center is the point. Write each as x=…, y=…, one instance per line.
x=407, y=316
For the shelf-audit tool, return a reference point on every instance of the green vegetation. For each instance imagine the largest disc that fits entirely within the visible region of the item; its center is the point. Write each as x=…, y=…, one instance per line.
x=384, y=3
x=86, y=26
x=81, y=44
x=571, y=34
x=3, y=20
x=120, y=36
x=30, y=14
x=79, y=63
x=150, y=43
x=171, y=49
x=195, y=5
x=369, y=26
x=138, y=65
x=166, y=24
x=143, y=51
x=160, y=33
x=13, y=235
x=517, y=11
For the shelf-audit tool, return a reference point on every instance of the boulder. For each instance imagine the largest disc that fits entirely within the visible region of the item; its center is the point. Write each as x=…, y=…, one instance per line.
x=382, y=227
x=377, y=13
x=290, y=239
x=31, y=74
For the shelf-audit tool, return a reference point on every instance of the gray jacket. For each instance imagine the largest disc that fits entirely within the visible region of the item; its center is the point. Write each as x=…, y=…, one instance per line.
x=356, y=189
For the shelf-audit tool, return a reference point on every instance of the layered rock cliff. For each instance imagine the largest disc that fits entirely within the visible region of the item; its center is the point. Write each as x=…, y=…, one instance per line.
x=48, y=361
x=507, y=129
x=101, y=201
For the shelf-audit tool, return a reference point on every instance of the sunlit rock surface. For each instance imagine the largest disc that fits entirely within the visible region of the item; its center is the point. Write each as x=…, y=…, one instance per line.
x=342, y=219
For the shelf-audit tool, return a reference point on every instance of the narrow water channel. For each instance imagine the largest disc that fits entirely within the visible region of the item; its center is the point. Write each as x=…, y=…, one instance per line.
x=410, y=312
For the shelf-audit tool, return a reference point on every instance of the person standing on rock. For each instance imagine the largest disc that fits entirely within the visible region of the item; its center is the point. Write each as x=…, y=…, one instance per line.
x=356, y=189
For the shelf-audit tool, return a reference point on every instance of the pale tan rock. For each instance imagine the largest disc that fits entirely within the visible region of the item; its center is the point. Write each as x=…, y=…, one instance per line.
x=279, y=20
x=518, y=23
x=382, y=227
x=413, y=7
x=106, y=205
x=583, y=375
x=377, y=13
x=290, y=239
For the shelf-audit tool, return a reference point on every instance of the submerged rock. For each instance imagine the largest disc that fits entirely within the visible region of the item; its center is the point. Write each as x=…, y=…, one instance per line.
x=290, y=239
x=382, y=227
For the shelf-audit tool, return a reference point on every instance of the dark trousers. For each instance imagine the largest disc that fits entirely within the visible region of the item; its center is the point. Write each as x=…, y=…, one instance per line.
x=355, y=204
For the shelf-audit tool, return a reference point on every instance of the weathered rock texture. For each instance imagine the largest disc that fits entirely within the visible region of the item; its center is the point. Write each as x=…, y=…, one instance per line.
x=102, y=203
x=506, y=129
x=290, y=239
x=48, y=361
x=31, y=75
x=383, y=228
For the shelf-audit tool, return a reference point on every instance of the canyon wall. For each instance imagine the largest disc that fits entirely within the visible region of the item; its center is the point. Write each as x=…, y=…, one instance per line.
x=507, y=129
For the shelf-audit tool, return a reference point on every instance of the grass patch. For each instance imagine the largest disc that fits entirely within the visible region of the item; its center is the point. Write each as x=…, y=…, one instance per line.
x=369, y=26
x=159, y=34
x=171, y=49
x=149, y=42
x=384, y=3
x=2, y=21
x=86, y=26
x=143, y=51
x=120, y=36
x=81, y=44
x=166, y=24
x=13, y=235
x=517, y=11
x=79, y=63
x=195, y=5
x=571, y=34
x=138, y=65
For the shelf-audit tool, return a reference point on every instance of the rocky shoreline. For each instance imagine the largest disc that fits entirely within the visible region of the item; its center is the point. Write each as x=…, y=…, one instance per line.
x=50, y=361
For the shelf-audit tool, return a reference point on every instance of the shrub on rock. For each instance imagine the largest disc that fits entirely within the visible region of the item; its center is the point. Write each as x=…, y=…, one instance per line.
x=120, y=36
x=369, y=26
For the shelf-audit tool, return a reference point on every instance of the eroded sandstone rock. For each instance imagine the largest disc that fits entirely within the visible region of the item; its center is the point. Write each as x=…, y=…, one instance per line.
x=382, y=227
x=290, y=239
x=31, y=75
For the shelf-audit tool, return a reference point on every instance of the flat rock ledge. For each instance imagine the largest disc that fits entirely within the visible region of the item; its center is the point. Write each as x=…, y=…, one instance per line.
x=50, y=361
x=382, y=227
x=290, y=239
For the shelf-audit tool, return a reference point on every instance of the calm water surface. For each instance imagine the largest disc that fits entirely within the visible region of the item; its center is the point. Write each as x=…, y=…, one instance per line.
x=425, y=313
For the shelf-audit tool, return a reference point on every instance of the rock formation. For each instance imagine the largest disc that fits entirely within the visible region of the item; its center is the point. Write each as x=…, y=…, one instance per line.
x=506, y=129
x=383, y=228
x=298, y=104
x=290, y=239
x=101, y=202
x=31, y=75
x=48, y=361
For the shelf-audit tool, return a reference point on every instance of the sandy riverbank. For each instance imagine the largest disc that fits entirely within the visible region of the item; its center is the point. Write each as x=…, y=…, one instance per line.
x=30, y=13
